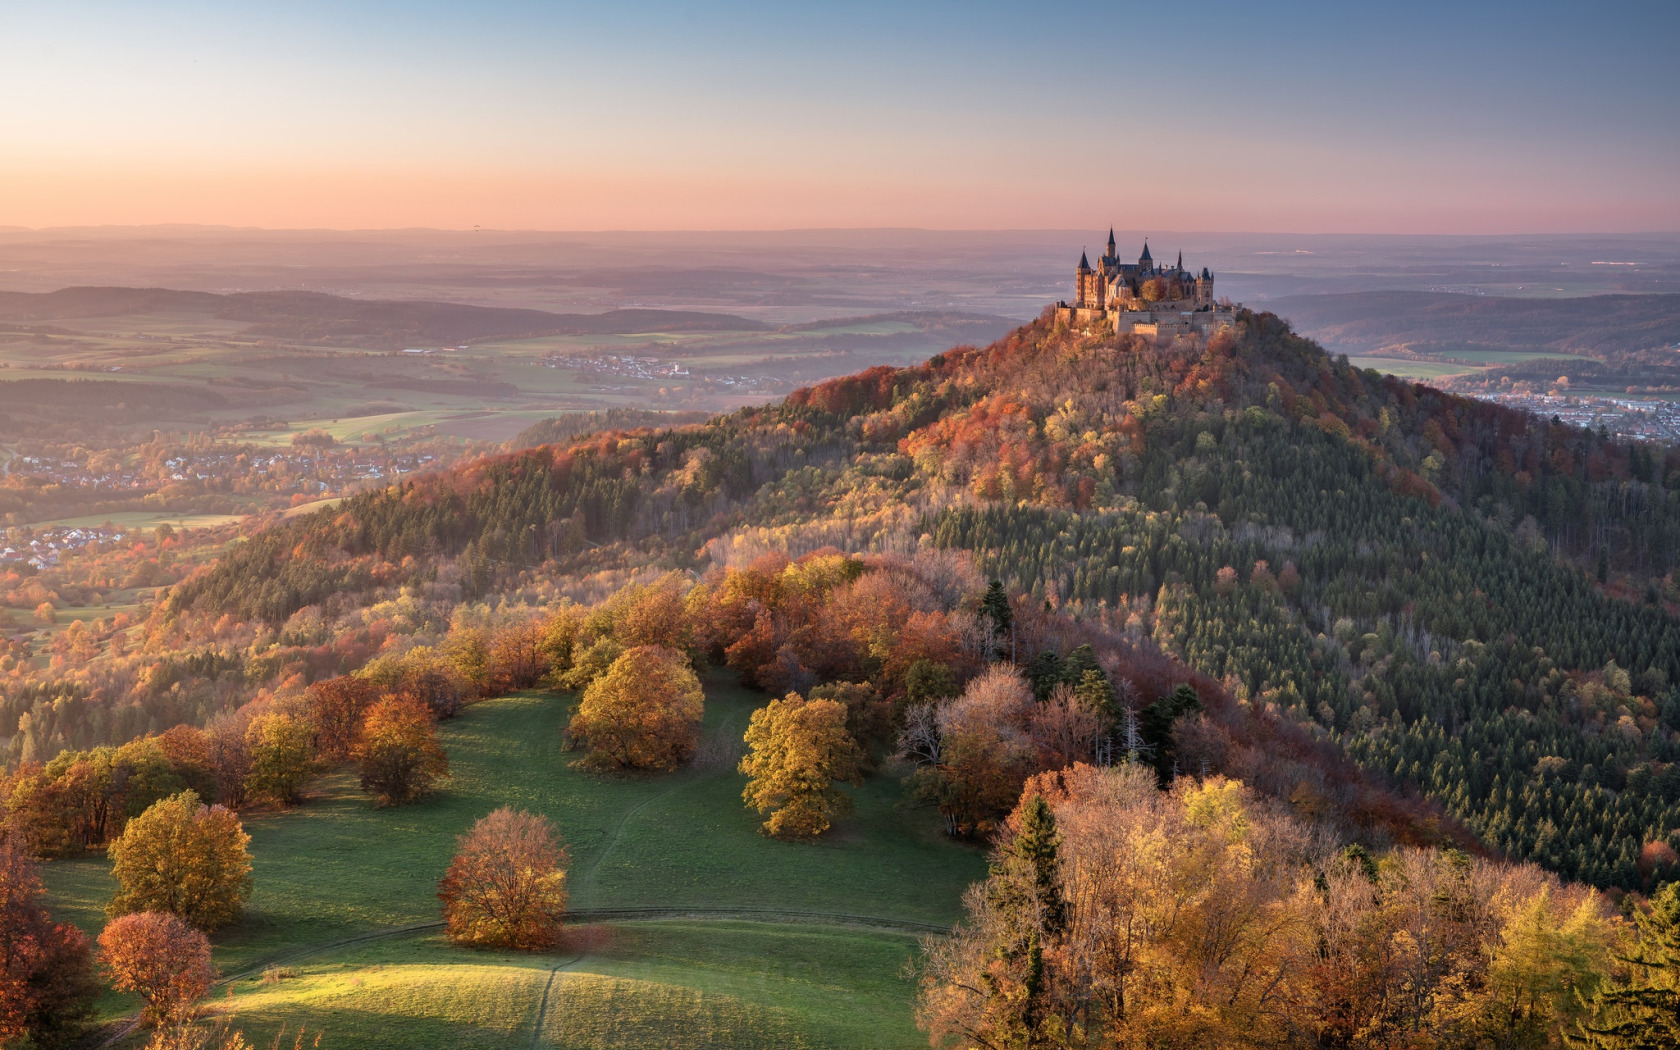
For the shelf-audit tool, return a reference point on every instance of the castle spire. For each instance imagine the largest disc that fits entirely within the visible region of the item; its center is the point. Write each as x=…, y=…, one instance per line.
x=1145, y=259
x=1111, y=242
x=1180, y=262
x=1084, y=263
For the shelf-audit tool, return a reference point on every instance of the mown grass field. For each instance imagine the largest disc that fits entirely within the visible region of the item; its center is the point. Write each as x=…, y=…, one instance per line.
x=337, y=868
x=1406, y=368
x=655, y=984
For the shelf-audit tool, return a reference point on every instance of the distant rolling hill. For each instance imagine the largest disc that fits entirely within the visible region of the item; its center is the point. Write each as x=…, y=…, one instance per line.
x=1603, y=326
x=314, y=317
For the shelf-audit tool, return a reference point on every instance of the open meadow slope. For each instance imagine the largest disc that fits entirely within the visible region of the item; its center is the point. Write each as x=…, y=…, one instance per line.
x=758, y=939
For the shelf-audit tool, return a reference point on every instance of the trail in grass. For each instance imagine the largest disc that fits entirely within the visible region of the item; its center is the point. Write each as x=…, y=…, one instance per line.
x=548, y=988
x=716, y=737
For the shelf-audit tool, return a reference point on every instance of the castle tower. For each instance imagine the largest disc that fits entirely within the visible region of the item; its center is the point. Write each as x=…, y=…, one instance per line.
x=1204, y=287
x=1084, y=285
x=1146, y=262
x=1111, y=257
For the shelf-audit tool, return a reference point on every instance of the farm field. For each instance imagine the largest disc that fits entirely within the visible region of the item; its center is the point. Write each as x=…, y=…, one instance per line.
x=142, y=519
x=1507, y=357
x=337, y=868
x=1410, y=369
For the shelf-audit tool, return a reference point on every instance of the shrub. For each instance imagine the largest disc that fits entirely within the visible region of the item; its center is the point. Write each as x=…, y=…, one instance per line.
x=643, y=713
x=398, y=751
x=506, y=887
x=162, y=960
x=184, y=858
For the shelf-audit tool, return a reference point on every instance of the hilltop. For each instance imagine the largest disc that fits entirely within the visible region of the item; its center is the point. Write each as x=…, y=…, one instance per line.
x=1470, y=602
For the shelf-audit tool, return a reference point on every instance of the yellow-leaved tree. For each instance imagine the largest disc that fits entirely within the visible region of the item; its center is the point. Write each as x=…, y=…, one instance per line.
x=643, y=713
x=184, y=858
x=282, y=756
x=799, y=748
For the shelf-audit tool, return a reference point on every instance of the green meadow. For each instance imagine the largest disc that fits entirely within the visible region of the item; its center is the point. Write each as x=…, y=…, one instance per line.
x=741, y=940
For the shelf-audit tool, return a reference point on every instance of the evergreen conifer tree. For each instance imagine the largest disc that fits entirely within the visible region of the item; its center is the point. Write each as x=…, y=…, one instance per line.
x=1644, y=1015
x=1024, y=890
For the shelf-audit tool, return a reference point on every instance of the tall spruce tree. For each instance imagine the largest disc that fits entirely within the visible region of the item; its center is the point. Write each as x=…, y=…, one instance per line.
x=1024, y=890
x=1157, y=724
x=995, y=605
x=1645, y=1014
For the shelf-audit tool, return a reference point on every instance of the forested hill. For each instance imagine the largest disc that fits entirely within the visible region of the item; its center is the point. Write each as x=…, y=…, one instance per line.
x=1465, y=598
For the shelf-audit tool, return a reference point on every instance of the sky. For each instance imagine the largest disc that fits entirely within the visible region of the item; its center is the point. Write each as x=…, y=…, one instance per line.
x=1336, y=117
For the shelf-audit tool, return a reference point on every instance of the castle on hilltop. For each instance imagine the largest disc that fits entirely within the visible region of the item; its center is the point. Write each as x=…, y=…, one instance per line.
x=1144, y=299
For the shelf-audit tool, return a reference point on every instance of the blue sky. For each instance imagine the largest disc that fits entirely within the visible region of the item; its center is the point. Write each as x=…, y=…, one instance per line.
x=1469, y=117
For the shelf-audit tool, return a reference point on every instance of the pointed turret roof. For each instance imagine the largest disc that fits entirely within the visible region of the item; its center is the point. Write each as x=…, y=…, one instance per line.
x=1111, y=240
x=1084, y=263
x=1181, y=260
x=1146, y=254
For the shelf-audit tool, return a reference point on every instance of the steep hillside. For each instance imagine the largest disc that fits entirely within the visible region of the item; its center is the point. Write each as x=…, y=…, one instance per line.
x=1398, y=572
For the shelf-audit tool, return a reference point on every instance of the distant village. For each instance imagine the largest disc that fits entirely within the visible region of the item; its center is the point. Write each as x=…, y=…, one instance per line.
x=308, y=470
x=43, y=550
x=633, y=366
x=1645, y=419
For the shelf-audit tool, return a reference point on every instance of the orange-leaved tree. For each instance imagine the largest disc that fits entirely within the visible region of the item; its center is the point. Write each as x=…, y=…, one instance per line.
x=336, y=707
x=184, y=858
x=506, y=887
x=398, y=751
x=162, y=960
x=799, y=748
x=644, y=713
x=46, y=969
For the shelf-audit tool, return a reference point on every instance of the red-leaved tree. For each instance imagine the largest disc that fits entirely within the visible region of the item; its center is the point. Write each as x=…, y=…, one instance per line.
x=164, y=961
x=46, y=969
x=506, y=887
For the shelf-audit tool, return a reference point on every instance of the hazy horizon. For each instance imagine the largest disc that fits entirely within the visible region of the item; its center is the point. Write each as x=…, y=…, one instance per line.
x=1430, y=118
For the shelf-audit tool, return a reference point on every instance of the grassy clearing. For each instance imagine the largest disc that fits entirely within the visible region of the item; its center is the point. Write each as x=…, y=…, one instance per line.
x=338, y=867
x=658, y=984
